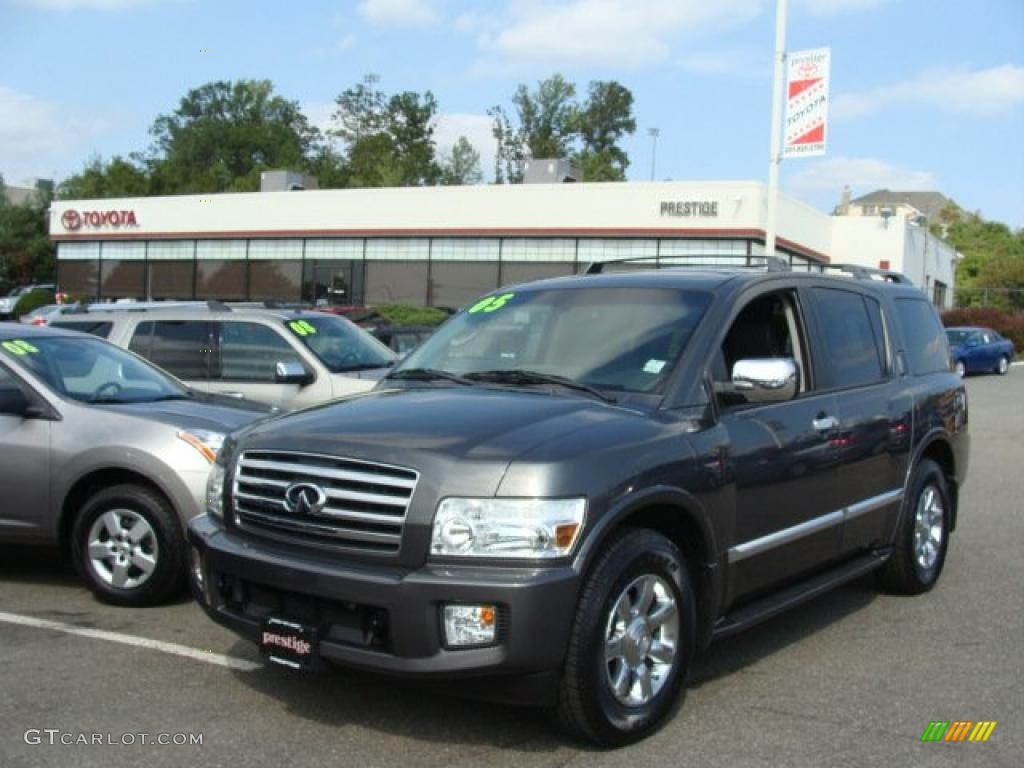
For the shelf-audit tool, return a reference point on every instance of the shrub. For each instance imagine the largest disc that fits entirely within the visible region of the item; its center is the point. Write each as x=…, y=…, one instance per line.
x=1008, y=324
x=32, y=300
x=406, y=314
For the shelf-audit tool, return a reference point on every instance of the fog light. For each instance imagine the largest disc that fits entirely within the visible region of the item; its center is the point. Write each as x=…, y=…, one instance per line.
x=467, y=625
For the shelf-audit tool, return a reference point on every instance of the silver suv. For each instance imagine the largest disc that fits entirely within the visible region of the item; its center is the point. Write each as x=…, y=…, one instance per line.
x=290, y=359
x=107, y=455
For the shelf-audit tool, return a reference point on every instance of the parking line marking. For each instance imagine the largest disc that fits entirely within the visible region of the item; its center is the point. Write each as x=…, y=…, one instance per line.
x=139, y=642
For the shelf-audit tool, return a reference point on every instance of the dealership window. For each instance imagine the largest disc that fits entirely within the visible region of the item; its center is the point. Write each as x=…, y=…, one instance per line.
x=455, y=283
x=275, y=280
x=251, y=352
x=396, y=282
x=608, y=250
x=538, y=249
x=522, y=271
x=285, y=250
x=122, y=279
x=220, y=279
x=171, y=269
x=334, y=248
x=398, y=248
x=79, y=279
x=705, y=251
x=220, y=249
x=464, y=249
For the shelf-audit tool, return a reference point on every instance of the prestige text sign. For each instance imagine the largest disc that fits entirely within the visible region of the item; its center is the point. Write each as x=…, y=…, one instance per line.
x=689, y=208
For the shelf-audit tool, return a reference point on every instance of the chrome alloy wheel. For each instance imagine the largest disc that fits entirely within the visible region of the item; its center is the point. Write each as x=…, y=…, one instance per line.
x=929, y=528
x=641, y=640
x=1004, y=365
x=123, y=548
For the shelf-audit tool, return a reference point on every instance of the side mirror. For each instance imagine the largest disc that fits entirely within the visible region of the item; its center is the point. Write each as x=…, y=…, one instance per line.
x=293, y=372
x=766, y=379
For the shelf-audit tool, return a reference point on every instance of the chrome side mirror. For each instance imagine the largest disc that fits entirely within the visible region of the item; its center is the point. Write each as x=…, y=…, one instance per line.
x=293, y=372
x=766, y=379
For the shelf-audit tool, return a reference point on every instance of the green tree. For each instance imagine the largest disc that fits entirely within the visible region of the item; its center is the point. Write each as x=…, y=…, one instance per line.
x=991, y=272
x=461, y=165
x=26, y=253
x=547, y=116
x=223, y=134
x=603, y=120
x=117, y=178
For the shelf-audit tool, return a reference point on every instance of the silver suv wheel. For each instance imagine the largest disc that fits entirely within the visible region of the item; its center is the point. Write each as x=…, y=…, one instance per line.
x=123, y=548
x=929, y=528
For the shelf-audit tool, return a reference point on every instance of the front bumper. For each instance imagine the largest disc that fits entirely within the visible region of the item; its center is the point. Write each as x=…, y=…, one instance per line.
x=385, y=618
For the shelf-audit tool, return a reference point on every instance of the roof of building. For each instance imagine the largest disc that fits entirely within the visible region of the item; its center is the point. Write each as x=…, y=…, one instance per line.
x=928, y=203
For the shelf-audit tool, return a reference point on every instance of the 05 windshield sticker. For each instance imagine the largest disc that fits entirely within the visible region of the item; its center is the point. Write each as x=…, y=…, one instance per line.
x=302, y=327
x=20, y=347
x=491, y=303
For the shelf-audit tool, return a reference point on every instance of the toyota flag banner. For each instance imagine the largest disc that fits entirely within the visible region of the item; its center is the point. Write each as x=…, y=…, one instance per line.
x=806, y=102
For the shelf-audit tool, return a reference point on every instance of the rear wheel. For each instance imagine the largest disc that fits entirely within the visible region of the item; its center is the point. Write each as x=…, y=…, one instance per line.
x=961, y=368
x=127, y=546
x=632, y=641
x=923, y=537
x=1004, y=365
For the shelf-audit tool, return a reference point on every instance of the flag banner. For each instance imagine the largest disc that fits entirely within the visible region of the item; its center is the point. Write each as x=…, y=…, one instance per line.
x=807, y=75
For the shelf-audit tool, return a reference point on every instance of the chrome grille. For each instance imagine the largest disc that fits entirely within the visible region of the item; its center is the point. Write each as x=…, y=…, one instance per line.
x=365, y=509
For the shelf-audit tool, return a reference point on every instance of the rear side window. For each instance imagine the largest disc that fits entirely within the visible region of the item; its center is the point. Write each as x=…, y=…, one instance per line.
x=95, y=328
x=181, y=347
x=852, y=336
x=923, y=339
x=251, y=352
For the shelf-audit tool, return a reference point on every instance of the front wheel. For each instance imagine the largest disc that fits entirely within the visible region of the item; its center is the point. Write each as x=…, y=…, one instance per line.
x=127, y=546
x=960, y=368
x=1004, y=365
x=632, y=641
x=923, y=536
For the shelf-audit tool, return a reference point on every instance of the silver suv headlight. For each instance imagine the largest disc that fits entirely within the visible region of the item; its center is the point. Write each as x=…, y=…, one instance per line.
x=215, y=491
x=507, y=528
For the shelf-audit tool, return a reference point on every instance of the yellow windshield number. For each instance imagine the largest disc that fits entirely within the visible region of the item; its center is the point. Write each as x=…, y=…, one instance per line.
x=491, y=303
x=302, y=327
x=20, y=347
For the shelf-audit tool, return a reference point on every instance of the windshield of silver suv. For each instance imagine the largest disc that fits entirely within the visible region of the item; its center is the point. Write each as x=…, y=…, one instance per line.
x=340, y=345
x=620, y=339
x=92, y=371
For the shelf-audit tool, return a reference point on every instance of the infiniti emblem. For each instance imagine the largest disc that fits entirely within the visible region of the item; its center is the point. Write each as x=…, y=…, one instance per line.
x=304, y=498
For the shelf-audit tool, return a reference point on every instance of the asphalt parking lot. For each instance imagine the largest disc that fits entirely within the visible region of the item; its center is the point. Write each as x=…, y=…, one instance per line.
x=850, y=679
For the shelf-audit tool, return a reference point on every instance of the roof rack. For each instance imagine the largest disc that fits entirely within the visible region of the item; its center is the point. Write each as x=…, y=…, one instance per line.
x=747, y=261
x=861, y=272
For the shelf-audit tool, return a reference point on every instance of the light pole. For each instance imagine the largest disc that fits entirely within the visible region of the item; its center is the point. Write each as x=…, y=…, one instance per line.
x=653, y=133
x=775, y=156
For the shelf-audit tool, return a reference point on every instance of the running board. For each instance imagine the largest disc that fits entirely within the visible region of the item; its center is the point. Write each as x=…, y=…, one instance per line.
x=777, y=602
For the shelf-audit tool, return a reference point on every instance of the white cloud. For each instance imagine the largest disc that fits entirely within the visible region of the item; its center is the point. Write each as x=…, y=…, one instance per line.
x=727, y=62
x=477, y=128
x=344, y=44
x=95, y=5
x=861, y=173
x=983, y=92
x=406, y=13
x=836, y=7
x=38, y=136
x=611, y=33
x=319, y=113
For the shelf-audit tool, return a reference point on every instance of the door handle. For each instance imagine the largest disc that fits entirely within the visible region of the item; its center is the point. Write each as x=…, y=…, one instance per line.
x=239, y=395
x=825, y=423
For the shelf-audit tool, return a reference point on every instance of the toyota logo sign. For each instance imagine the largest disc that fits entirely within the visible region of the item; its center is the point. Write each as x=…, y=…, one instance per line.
x=71, y=220
x=304, y=498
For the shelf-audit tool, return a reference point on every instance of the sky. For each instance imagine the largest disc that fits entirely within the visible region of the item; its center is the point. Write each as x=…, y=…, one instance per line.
x=926, y=94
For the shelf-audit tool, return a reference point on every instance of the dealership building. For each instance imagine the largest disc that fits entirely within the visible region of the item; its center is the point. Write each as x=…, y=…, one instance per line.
x=443, y=246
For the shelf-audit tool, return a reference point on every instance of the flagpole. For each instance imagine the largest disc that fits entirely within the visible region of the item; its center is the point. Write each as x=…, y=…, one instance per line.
x=775, y=156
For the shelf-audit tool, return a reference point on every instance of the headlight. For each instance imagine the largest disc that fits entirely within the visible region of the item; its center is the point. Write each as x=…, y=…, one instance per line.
x=510, y=528
x=215, y=491
x=204, y=441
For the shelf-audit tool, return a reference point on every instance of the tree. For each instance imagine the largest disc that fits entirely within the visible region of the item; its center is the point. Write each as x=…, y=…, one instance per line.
x=510, y=153
x=26, y=253
x=547, y=117
x=118, y=178
x=223, y=134
x=605, y=118
x=461, y=166
x=991, y=272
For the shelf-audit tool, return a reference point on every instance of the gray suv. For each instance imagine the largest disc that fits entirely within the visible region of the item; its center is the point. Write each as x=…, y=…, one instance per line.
x=107, y=455
x=286, y=358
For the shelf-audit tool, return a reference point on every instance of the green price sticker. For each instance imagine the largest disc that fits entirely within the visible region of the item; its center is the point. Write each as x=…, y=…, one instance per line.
x=20, y=347
x=302, y=328
x=491, y=303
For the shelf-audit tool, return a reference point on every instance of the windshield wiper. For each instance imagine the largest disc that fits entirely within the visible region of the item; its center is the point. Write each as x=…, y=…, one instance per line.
x=364, y=366
x=428, y=374
x=523, y=377
x=175, y=396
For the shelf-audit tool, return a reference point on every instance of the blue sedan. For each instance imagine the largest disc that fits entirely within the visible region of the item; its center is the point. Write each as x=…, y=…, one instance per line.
x=979, y=350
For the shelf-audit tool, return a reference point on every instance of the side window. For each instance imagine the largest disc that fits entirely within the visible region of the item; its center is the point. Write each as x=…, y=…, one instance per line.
x=181, y=347
x=768, y=326
x=95, y=328
x=852, y=337
x=251, y=352
x=923, y=339
x=142, y=339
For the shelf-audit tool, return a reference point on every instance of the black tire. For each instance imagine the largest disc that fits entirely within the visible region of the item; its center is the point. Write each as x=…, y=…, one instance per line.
x=587, y=706
x=1003, y=366
x=166, y=546
x=903, y=573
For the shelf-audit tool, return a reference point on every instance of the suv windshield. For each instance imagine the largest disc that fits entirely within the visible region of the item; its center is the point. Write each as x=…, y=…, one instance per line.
x=340, y=345
x=92, y=371
x=625, y=339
